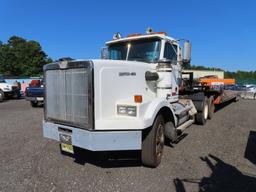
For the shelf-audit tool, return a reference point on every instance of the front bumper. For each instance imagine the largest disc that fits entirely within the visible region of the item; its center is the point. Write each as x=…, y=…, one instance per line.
x=12, y=93
x=9, y=93
x=95, y=140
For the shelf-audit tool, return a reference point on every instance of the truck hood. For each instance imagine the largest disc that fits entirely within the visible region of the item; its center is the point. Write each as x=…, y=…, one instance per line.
x=6, y=86
x=117, y=82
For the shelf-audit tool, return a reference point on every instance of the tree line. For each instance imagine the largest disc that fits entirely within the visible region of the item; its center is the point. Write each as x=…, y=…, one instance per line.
x=21, y=57
x=242, y=77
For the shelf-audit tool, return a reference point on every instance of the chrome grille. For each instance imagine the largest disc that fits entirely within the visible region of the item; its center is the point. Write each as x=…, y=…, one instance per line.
x=69, y=96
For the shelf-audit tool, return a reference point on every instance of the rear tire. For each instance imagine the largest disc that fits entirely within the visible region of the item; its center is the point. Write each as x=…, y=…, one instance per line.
x=202, y=116
x=211, y=108
x=238, y=97
x=153, y=143
x=1, y=95
x=34, y=103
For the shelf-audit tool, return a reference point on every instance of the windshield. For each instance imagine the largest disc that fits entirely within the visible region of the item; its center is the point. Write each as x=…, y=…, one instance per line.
x=147, y=50
x=2, y=80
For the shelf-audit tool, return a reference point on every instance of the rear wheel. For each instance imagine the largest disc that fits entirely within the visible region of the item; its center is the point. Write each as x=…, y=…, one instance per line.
x=202, y=116
x=153, y=143
x=34, y=103
x=1, y=95
x=237, y=98
x=211, y=108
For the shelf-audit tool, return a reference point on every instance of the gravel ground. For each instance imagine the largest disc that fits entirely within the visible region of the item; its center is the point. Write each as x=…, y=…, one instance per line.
x=220, y=156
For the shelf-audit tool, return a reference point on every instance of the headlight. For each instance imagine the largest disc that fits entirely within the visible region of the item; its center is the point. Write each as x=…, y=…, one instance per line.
x=126, y=110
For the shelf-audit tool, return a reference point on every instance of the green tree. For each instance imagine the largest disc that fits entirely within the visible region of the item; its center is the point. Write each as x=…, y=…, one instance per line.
x=20, y=57
x=241, y=77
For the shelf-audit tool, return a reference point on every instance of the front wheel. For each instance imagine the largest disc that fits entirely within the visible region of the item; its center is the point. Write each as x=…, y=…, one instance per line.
x=153, y=143
x=1, y=95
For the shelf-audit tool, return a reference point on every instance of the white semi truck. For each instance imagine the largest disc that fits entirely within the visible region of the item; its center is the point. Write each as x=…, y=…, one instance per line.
x=128, y=100
x=8, y=90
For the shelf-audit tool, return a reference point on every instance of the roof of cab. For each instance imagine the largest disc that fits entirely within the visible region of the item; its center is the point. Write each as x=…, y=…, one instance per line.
x=142, y=36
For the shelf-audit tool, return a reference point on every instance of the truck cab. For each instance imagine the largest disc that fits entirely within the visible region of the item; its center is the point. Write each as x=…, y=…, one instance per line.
x=128, y=100
x=8, y=90
x=151, y=49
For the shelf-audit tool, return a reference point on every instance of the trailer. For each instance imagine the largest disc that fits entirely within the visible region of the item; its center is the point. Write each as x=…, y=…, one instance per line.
x=132, y=98
x=206, y=93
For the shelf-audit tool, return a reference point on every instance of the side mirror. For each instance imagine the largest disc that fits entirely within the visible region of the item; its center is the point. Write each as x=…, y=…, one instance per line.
x=187, y=52
x=104, y=53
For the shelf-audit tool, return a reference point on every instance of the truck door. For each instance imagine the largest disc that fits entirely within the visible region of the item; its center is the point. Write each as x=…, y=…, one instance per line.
x=170, y=52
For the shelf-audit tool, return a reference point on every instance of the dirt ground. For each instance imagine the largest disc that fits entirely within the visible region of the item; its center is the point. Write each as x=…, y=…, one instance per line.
x=220, y=156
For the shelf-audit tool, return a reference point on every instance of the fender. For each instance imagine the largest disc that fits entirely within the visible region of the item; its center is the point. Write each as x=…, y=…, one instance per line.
x=154, y=107
x=198, y=99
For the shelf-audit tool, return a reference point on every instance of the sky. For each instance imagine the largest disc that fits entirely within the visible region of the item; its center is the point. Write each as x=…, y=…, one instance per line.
x=222, y=32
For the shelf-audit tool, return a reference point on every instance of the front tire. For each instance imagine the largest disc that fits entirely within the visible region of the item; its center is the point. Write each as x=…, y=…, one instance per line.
x=1, y=95
x=153, y=143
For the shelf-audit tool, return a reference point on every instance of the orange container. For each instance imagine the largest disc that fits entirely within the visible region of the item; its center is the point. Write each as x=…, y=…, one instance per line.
x=212, y=81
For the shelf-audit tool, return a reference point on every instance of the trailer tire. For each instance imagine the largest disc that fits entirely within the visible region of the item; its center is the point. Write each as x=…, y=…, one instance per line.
x=202, y=116
x=153, y=143
x=1, y=95
x=237, y=98
x=34, y=103
x=211, y=108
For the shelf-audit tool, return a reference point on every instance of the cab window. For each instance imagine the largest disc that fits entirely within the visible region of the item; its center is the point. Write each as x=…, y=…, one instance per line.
x=170, y=52
x=145, y=50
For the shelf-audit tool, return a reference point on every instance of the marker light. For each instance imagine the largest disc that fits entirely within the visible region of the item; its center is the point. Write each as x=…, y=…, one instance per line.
x=117, y=36
x=134, y=35
x=138, y=98
x=149, y=30
x=159, y=33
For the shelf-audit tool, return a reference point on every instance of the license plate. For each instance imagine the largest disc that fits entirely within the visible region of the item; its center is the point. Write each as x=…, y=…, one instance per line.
x=66, y=143
x=67, y=148
x=39, y=98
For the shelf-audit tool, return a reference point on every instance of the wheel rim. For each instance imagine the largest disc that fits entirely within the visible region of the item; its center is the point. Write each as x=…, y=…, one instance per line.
x=205, y=111
x=1, y=96
x=160, y=140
